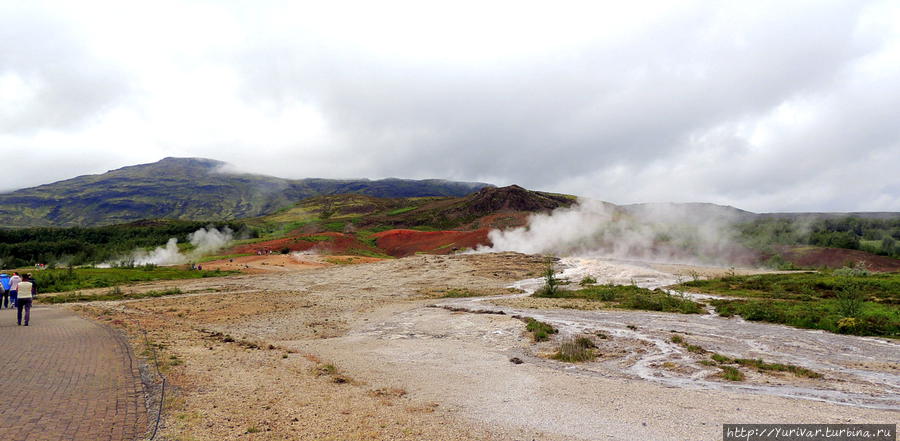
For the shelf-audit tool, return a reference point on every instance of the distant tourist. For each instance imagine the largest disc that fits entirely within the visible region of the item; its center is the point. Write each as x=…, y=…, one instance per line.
x=14, y=288
x=27, y=291
x=4, y=285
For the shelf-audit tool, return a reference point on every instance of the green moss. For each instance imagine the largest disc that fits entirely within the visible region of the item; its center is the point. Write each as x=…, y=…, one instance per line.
x=628, y=297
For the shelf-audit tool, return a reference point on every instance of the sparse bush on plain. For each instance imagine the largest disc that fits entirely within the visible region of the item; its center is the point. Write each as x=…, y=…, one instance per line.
x=731, y=374
x=849, y=299
x=540, y=331
x=575, y=350
x=551, y=283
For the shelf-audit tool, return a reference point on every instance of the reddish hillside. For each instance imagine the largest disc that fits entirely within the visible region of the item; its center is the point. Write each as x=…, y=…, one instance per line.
x=815, y=257
x=327, y=243
x=400, y=243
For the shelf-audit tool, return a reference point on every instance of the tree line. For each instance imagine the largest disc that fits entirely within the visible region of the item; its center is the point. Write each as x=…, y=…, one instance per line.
x=878, y=236
x=92, y=245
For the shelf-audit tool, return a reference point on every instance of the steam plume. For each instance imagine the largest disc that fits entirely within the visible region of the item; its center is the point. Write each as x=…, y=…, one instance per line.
x=659, y=232
x=204, y=240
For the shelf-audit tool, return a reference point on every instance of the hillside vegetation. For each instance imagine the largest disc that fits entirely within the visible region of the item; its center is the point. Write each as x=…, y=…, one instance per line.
x=334, y=224
x=80, y=246
x=188, y=189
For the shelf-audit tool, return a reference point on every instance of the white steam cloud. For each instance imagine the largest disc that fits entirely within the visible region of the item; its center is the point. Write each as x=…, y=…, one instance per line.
x=204, y=241
x=209, y=240
x=661, y=232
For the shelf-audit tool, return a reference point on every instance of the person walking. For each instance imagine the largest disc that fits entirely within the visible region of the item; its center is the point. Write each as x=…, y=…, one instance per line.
x=14, y=288
x=27, y=291
x=4, y=286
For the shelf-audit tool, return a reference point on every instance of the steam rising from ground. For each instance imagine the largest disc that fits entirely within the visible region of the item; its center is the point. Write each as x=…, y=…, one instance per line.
x=204, y=241
x=686, y=233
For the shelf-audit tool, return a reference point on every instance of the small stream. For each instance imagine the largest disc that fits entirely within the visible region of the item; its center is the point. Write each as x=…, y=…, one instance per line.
x=858, y=371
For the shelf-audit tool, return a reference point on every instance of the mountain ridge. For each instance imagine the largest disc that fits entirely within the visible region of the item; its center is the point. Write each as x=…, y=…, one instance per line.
x=189, y=188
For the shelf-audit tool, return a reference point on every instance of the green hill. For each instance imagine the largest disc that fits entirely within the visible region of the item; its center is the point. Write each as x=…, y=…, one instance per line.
x=189, y=189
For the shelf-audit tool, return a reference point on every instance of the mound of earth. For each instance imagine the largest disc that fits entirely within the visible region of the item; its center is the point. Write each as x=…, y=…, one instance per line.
x=268, y=263
x=514, y=198
x=815, y=257
x=401, y=243
x=490, y=207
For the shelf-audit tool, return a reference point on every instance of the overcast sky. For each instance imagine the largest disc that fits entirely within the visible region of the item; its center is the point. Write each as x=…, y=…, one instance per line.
x=767, y=106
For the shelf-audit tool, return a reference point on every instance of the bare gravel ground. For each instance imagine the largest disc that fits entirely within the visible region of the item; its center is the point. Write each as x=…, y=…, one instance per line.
x=356, y=352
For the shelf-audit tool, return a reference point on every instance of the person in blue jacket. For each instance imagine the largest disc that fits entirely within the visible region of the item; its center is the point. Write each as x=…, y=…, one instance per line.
x=4, y=285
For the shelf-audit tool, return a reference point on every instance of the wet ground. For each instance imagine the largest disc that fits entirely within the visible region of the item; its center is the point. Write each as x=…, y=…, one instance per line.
x=856, y=371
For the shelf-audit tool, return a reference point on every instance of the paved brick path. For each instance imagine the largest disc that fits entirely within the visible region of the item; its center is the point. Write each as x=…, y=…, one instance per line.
x=67, y=378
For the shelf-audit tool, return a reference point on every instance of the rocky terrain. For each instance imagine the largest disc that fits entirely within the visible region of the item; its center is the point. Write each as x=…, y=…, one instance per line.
x=388, y=350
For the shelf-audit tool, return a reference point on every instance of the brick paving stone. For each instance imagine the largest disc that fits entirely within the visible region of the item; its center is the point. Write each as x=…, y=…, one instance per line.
x=67, y=378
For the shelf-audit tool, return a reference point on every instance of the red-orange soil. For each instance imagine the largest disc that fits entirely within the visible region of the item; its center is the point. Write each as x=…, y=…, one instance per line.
x=337, y=243
x=268, y=263
x=401, y=243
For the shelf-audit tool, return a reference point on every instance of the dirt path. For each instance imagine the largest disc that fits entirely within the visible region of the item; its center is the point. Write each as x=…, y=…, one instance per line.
x=67, y=378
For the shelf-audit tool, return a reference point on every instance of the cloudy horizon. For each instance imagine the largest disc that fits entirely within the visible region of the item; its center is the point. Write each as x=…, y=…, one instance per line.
x=764, y=106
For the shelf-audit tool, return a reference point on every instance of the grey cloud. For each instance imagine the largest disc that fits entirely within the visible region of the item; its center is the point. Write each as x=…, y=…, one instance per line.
x=664, y=112
x=68, y=84
x=536, y=121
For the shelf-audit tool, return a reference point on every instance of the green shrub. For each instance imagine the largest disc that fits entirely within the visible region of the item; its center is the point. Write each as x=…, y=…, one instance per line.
x=850, y=300
x=719, y=358
x=575, y=351
x=540, y=331
x=731, y=374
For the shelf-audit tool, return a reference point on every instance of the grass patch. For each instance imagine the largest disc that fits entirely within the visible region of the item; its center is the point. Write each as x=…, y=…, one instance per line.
x=731, y=374
x=330, y=370
x=540, y=331
x=335, y=226
x=758, y=364
x=368, y=253
x=401, y=211
x=846, y=301
x=762, y=366
x=628, y=297
x=874, y=287
x=316, y=238
x=71, y=279
x=873, y=318
x=113, y=294
x=454, y=293
x=222, y=257
x=575, y=350
x=587, y=281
